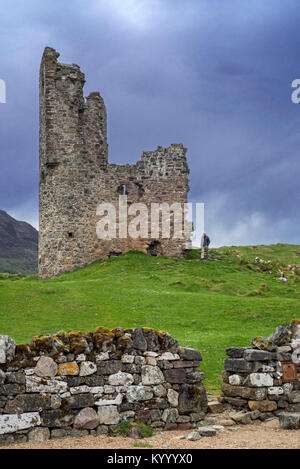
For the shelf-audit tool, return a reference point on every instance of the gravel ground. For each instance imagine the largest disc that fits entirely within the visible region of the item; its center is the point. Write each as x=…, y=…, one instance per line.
x=260, y=435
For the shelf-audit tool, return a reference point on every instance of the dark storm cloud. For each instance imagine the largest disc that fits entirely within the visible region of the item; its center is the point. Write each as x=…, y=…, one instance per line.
x=214, y=75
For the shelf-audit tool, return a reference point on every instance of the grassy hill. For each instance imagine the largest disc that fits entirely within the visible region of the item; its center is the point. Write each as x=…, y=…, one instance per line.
x=209, y=305
x=18, y=245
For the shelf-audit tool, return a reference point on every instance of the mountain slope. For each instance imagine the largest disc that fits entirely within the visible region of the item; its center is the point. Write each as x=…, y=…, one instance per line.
x=18, y=246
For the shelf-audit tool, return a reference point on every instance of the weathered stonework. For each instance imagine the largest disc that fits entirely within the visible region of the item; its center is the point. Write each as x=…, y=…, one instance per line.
x=75, y=176
x=45, y=396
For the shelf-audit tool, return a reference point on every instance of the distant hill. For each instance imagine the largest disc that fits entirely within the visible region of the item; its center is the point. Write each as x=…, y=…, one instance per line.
x=18, y=246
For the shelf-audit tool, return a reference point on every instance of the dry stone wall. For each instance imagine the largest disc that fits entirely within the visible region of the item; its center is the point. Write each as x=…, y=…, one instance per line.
x=77, y=383
x=265, y=379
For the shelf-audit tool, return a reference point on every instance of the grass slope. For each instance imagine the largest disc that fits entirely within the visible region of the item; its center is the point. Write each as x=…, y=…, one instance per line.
x=209, y=305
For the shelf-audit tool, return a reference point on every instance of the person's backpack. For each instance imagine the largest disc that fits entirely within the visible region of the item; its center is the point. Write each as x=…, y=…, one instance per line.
x=207, y=241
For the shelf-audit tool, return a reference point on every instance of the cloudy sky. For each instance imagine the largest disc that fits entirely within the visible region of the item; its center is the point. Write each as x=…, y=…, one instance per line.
x=215, y=75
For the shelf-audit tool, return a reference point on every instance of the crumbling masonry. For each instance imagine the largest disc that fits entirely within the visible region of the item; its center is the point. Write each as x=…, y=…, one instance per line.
x=75, y=176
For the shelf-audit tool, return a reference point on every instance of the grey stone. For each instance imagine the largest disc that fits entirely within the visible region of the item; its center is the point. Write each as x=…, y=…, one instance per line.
x=177, y=375
x=187, y=353
x=192, y=399
x=10, y=389
x=139, y=341
x=86, y=419
x=87, y=368
x=15, y=377
x=193, y=436
x=108, y=415
x=259, y=380
x=140, y=361
x=170, y=415
x=110, y=400
x=28, y=403
x=79, y=400
x=102, y=430
x=39, y=434
x=258, y=355
x=207, y=431
x=121, y=379
x=10, y=423
x=58, y=433
x=46, y=367
x=294, y=397
x=238, y=365
x=152, y=375
x=289, y=421
x=7, y=349
x=159, y=390
x=109, y=367
x=56, y=418
x=56, y=401
x=281, y=336
x=236, y=352
x=37, y=384
x=139, y=393
x=193, y=377
x=2, y=377
x=173, y=397
x=127, y=358
x=155, y=414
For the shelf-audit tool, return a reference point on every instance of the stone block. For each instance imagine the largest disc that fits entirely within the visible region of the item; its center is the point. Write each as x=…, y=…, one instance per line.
x=68, y=369
x=236, y=352
x=7, y=349
x=139, y=393
x=87, y=368
x=152, y=375
x=259, y=380
x=86, y=419
x=25, y=403
x=109, y=367
x=170, y=415
x=10, y=423
x=289, y=421
x=120, y=379
x=207, y=431
x=258, y=355
x=172, y=397
x=187, y=353
x=263, y=406
x=46, y=367
x=56, y=418
x=238, y=365
x=108, y=415
x=175, y=375
x=192, y=399
x=42, y=385
x=39, y=434
x=215, y=407
x=244, y=392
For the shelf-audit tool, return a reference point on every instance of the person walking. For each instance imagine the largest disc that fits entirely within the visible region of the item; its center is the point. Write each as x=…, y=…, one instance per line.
x=205, y=242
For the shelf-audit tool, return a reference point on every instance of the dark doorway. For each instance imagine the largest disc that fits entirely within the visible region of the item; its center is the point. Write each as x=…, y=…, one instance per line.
x=154, y=248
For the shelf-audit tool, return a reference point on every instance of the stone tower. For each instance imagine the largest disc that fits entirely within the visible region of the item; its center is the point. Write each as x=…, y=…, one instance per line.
x=75, y=176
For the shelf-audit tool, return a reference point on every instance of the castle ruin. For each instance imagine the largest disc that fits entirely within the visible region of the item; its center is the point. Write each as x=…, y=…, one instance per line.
x=75, y=176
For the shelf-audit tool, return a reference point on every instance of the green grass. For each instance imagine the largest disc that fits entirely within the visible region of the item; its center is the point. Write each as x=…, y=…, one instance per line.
x=209, y=305
x=141, y=445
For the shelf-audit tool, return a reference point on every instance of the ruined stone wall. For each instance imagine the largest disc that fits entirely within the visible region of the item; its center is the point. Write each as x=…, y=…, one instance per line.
x=76, y=383
x=265, y=378
x=75, y=176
